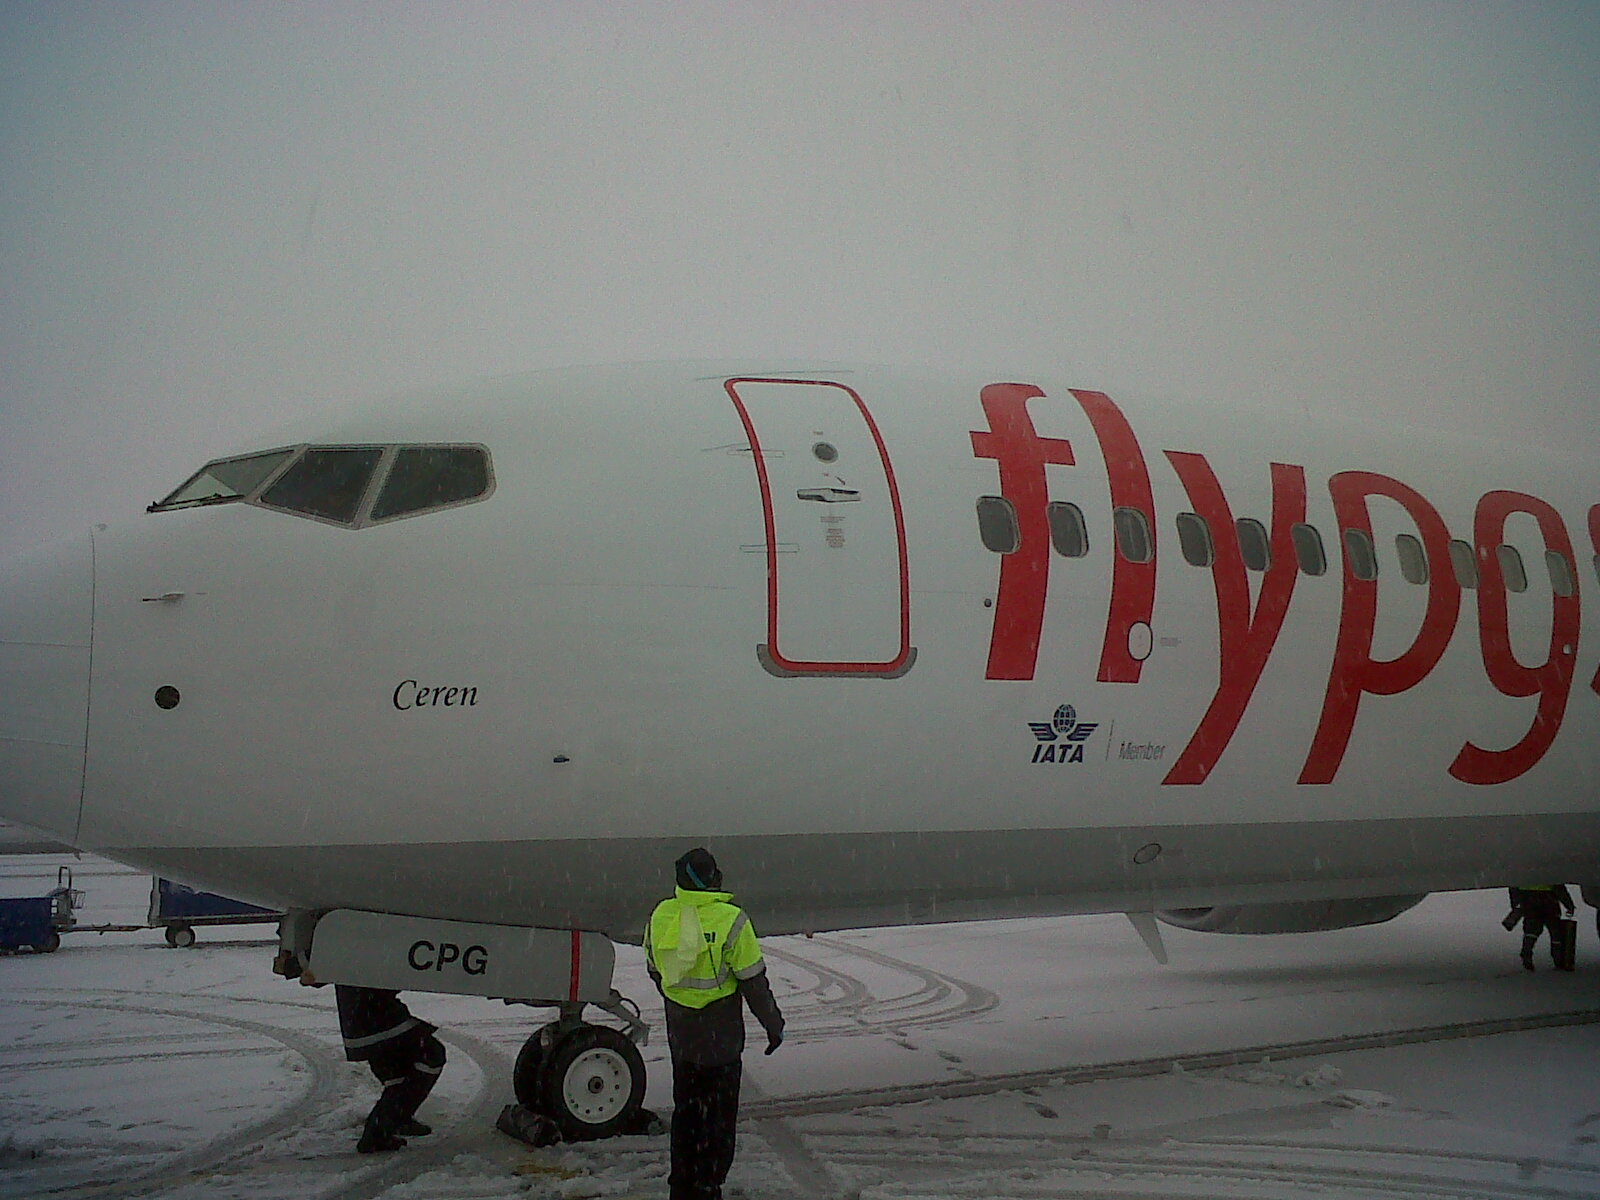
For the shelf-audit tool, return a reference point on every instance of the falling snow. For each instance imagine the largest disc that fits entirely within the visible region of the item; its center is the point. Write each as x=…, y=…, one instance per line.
x=1010, y=1059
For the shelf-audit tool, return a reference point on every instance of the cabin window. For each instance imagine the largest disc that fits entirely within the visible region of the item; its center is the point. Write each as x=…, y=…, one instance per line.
x=1308, y=550
x=1133, y=535
x=1413, y=559
x=1359, y=554
x=997, y=524
x=1511, y=569
x=325, y=483
x=1068, y=534
x=427, y=477
x=1563, y=580
x=1465, y=563
x=1254, y=545
x=1194, y=538
x=225, y=479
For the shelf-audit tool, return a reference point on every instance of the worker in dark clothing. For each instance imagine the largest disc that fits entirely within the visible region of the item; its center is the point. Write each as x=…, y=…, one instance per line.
x=702, y=952
x=403, y=1054
x=1541, y=909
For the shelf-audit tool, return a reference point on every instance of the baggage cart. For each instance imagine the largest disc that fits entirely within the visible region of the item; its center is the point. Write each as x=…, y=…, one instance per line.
x=36, y=923
x=179, y=909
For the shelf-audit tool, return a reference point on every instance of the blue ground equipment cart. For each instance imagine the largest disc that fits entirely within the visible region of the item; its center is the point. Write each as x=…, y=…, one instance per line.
x=37, y=922
x=179, y=909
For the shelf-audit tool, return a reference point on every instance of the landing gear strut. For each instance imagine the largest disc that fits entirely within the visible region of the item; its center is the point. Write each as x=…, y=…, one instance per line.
x=588, y=1080
x=573, y=1081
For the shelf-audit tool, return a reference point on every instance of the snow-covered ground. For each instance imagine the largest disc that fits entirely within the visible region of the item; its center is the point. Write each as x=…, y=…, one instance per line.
x=1017, y=1059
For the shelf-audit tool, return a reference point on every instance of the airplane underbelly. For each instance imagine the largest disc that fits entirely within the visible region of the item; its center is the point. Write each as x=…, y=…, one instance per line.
x=830, y=881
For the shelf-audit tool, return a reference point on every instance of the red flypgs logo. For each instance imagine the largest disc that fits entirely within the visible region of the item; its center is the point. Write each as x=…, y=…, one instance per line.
x=1249, y=629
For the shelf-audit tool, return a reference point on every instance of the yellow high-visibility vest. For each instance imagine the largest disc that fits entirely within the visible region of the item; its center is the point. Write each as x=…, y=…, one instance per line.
x=701, y=944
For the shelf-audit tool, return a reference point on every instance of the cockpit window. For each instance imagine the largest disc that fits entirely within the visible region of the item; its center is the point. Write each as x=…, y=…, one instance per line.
x=347, y=485
x=325, y=483
x=424, y=477
x=225, y=479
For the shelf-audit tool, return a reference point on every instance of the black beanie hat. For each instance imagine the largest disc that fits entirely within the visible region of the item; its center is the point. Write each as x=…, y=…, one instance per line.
x=697, y=871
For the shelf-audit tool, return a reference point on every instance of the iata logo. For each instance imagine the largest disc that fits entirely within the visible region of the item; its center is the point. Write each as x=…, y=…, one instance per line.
x=1062, y=737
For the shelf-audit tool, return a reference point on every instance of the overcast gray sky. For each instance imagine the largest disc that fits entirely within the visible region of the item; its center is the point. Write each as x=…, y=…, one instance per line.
x=216, y=216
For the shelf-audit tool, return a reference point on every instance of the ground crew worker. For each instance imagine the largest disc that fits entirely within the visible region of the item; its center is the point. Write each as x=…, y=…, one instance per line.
x=702, y=952
x=404, y=1055
x=1541, y=909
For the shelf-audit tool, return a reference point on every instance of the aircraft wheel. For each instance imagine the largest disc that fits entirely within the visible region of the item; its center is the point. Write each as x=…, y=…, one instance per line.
x=180, y=937
x=592, y=1083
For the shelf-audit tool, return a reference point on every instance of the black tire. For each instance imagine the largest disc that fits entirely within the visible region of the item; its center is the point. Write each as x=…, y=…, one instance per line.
x=527, y=1074
x=50, y=945
x=180, y=937
x=593, y=1083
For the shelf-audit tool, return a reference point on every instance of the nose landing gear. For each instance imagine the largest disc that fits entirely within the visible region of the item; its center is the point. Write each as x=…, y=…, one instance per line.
x=586, y=1080
x=574, y=1081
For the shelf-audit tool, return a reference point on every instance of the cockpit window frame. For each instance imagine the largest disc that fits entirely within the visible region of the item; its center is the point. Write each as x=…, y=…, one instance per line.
x=358, y=513
x=291, y=452
x=389, y=453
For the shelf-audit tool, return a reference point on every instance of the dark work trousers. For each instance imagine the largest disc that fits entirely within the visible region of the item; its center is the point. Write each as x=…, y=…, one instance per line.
x=1535, y=920
x=407, y=1067
x=705, y=1117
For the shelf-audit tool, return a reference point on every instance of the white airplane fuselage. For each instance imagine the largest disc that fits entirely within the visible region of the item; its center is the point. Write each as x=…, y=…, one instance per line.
x=754, y=609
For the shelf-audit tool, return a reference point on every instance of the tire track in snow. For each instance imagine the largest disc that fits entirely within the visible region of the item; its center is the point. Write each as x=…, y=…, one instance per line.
x=1174, y=1176
x=1032, y=1165
x=938, y=999
x=321, y=1092
x=1029, y=1166
x=134, y=1056
x=120, y=1048
x=473, y=1131
x=236, y=1154
x=852, y=994
x=847, y=1100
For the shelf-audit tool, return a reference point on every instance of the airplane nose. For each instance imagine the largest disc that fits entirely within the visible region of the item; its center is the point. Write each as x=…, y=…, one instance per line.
x=46, y=614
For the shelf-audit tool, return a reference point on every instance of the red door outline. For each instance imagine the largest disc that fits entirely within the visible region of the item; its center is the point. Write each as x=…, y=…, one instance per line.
x=771, y=657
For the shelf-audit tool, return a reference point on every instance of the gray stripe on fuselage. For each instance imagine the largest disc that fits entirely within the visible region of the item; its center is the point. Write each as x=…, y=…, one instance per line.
x=807, y=882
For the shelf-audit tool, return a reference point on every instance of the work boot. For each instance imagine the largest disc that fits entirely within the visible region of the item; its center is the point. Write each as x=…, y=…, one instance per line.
x=411, y=1127
x=376, y=1139
x=1527, y=962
